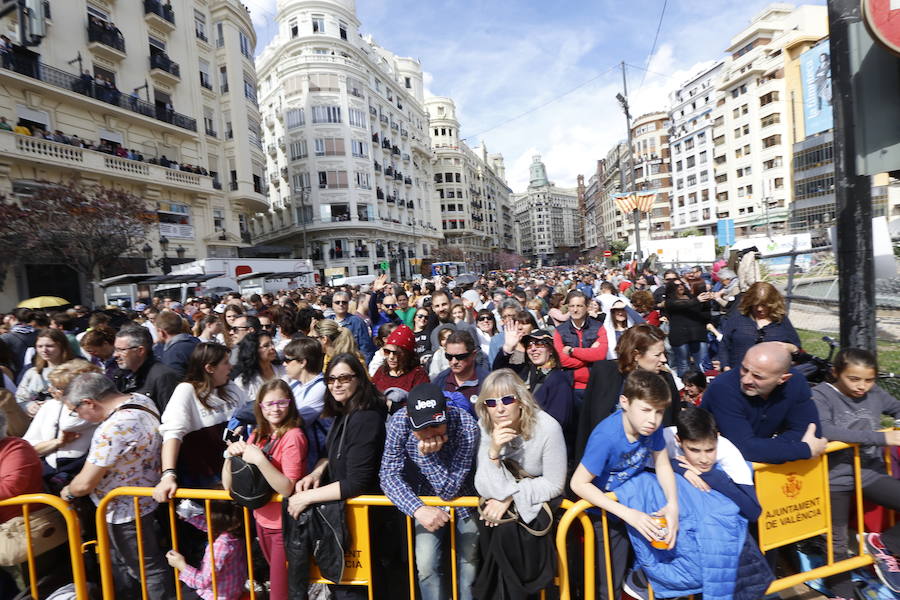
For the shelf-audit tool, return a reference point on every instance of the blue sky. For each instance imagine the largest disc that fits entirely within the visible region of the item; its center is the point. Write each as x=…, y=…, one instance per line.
x=500, y=59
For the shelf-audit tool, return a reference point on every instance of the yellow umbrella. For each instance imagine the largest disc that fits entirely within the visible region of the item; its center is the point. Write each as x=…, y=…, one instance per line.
x=43, y=302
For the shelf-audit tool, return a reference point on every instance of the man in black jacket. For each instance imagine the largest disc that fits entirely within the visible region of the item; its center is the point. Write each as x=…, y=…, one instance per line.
x=140, y=371
x=175, y=346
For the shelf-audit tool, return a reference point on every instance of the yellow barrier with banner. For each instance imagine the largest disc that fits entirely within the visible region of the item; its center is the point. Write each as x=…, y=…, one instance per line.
x=794, y=497
x=73, y=530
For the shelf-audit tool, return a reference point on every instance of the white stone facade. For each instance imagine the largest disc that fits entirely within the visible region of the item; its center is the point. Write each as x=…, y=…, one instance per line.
x=348, y=150
x=691, y=117
x=183, y=86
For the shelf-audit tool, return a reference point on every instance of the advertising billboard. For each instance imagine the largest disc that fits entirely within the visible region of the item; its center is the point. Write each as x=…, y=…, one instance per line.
x=815, y=71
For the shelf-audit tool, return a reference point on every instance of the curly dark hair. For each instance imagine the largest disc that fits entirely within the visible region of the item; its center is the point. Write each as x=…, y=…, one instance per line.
x=248, y=356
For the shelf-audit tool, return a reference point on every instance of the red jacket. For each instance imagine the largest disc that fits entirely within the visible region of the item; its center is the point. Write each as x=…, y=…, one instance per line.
x=581, y=359
x=20, y=473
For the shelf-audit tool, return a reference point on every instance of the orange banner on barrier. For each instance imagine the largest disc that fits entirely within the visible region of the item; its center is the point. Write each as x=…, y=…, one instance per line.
x=794, y=498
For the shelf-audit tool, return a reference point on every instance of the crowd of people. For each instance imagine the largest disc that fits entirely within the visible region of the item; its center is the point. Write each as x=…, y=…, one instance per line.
x=522, y=388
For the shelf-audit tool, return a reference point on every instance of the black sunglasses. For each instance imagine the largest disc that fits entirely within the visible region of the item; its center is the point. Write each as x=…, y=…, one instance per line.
x=506, y=400
x=459, y=357
x=485, y=318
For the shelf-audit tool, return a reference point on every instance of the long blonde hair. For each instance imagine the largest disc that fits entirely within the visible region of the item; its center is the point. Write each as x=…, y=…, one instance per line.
x=504, y=382
x=341, y=338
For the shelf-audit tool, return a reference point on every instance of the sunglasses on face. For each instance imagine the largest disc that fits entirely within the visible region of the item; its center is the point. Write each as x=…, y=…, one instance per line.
x=390, y=352
x=538, y=344
x=459, y=357
x=506, y=400
x=283, y=403
x=390, y=306
x=341, y=302
x=237, y=328
x=485, y=318
x=342, y=379
x=422, y=316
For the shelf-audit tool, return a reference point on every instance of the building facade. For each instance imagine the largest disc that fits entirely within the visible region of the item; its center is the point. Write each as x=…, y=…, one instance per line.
x=167, y=82
x=471, y=188
x=348, y=148
x=691, y=117
x=752, y=121
x=652, y=172
x=548, y=220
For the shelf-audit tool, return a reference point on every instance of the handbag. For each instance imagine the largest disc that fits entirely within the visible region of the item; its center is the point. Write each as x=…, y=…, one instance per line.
x=511, y=514
x=248, y=485
x=48, y=530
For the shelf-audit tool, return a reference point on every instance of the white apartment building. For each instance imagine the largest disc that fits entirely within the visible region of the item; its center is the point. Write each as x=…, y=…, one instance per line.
x=550, y=230
x=690, y=141
x=181, y=84
x=652, y=172
x=471, y=188
x=348, y=150
x=752, y=137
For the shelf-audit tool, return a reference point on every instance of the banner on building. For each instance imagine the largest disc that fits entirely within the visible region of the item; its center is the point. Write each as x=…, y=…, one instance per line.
x=815, y=71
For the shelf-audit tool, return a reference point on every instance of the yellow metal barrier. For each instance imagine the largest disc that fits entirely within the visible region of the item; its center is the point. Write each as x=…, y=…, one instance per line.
x=358, y=570
x=805, y=484
x=73, y=530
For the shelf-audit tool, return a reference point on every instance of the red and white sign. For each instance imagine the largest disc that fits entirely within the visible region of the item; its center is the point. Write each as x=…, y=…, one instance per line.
x=882, y=18
x=607, y=253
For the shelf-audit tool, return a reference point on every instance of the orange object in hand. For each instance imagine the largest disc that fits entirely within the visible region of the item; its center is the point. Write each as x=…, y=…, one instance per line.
x=659, y=543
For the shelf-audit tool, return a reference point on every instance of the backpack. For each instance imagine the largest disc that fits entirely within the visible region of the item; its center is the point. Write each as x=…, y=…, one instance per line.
x=249, y=487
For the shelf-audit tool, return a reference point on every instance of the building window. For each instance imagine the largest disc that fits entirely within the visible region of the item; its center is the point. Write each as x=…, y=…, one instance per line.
x=200, y=25
x=363, y=180
x=330, y=147
x=342, y=27
x=298, y=150
x=250, y=89
x=223, y=79
x=295, y=118
x=218, y=218
x=357, y=118
x=326, y=114
x=300, y=181
x=359, y=148
x=246, y=50
x=292, y=25
x=318, y=23
x=332, y=179
x=220, y=34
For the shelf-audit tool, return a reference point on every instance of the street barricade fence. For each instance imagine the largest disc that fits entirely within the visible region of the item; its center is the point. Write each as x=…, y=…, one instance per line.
x=794, y=496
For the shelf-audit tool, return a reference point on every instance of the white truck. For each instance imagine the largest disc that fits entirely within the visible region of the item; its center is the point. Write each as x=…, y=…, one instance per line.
x=684, y=251
x=298, y=272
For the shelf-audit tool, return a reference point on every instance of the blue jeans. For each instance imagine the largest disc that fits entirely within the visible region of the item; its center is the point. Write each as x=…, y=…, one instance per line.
x=430, y=546
x=682, y=354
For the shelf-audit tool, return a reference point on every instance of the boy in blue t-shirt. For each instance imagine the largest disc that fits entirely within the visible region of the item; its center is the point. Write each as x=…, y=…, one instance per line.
x=620, y=447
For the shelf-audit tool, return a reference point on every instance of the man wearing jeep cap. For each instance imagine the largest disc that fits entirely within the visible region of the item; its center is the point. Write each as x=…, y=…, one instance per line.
x=430, y=451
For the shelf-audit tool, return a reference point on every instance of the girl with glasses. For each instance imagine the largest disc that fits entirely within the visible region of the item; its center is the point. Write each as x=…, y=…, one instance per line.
x=521, y=466
x=278, y=448
x=350, y=467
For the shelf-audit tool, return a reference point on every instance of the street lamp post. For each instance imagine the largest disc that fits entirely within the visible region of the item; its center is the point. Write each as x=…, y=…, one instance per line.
x=164, y=262
x=636, y=213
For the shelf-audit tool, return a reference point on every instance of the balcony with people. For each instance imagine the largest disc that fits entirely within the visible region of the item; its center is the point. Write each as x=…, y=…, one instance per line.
x=105, y=40
x=159, y=15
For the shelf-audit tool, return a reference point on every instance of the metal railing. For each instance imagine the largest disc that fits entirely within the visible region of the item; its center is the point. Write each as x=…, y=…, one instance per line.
x=85, y=85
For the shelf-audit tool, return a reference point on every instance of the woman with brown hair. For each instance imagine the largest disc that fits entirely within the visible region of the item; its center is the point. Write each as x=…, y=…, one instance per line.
x=761, y=316
x=51, y=350
x=194, y=420
x=640, y=347
x=350, y=467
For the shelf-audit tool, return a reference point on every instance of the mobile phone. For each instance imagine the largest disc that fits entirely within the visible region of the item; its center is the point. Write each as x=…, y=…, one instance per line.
x=231, y=436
